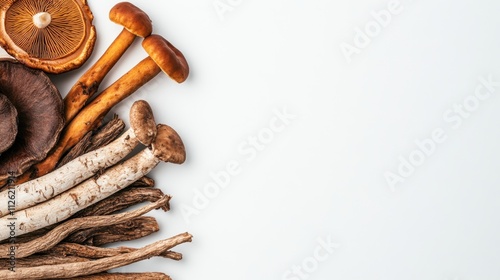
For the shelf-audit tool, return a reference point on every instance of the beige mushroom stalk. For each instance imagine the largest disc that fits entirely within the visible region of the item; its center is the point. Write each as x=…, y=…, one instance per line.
x=167, y=147
x=71, y=174
x=42, y=19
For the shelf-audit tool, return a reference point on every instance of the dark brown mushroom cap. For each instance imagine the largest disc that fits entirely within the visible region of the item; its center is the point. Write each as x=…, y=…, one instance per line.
x=168, y=145
x=8, y=123
x=142, y=122
x=169, y=58
x=40, y=113
x=62, y=45
x=135, y=20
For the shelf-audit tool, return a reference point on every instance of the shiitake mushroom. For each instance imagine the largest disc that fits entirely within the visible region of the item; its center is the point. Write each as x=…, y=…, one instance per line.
x=55, y=36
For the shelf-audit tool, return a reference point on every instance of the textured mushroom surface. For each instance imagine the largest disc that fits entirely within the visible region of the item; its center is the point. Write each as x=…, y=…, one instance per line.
x=8, y=123
x=40, y=115
x=55, y=36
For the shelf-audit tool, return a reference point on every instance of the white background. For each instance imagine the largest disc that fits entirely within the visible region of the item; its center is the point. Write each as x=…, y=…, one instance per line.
x=321, y=175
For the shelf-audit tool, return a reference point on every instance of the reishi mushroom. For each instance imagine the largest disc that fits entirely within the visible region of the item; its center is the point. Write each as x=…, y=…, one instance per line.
x=40, y=113
x=54, y=36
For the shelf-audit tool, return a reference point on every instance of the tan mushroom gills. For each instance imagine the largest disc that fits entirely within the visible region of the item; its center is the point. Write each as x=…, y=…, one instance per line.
x=42, y=19
x=55, y=36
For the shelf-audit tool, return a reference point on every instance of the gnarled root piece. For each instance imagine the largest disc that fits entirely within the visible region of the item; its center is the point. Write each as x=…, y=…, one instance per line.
x=38, y=260
x=121, y=200
x=62, y=231
x=130, y=230
x=93, y=252
x=95, y=139
x=69, y=270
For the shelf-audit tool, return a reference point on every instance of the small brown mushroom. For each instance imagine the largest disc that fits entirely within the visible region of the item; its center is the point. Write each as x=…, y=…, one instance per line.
x=163, y=56
x=8, y=125
x=135, y=23
x=40, y=114
x=133, y=19
x=54, y=36
x=142, y=122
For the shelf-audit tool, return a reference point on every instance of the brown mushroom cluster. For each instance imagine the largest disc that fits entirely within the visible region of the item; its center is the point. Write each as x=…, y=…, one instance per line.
x=71, y=172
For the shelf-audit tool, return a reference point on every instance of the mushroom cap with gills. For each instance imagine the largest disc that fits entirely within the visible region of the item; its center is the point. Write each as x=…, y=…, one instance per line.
x=8, y=123
x=167, y=57
x=40, y=115
x=55, y=36
x=131, y=18
x=168, y=145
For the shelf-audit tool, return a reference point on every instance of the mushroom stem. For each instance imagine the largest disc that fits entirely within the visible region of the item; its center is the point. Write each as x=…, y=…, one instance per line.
x=42, y=19
x=81, y=196
x=89, y=82
x=136, y=23
x=167, y=147
x=69, y=175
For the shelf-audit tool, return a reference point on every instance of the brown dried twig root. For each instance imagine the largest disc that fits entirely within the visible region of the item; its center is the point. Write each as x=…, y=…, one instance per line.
x=130, y=230
x=69, y=270
x=62, y=231
x=93, y=252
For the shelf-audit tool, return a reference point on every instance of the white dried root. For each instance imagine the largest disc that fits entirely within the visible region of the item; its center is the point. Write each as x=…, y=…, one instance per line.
x=167, y=147
x=76, y=171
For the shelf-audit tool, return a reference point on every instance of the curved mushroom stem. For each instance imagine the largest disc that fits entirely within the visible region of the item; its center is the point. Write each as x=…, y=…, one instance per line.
x=70, y=174
x=42, y=19
x=89, y=82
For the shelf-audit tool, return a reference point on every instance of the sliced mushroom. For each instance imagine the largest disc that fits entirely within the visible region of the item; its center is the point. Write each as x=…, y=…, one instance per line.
x=8, y=125
x=54, y=36
x=40, y=114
